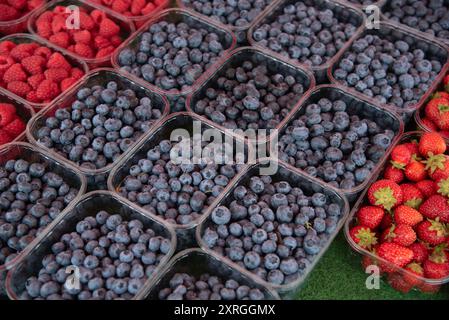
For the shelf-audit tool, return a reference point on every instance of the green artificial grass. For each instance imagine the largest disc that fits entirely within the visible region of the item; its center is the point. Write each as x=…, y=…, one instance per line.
x=339, y=276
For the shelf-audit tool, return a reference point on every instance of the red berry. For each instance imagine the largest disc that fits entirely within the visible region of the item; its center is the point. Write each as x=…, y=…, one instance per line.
x=15, y=128
x=19, y=88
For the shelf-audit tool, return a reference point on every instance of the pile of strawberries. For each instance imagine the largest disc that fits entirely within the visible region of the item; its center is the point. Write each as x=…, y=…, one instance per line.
x=35, y=72
x=11, y=125
x=96, y=37
x=436, y=111
x=131, y=8
x=14, y=9
x=407, y=220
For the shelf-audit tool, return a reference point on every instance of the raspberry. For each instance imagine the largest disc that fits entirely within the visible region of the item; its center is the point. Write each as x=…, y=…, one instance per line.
x=47, y=90
x=116, y=41
x=19, y=53
x=32, y=97
x=5, y=64
x=6, y=47
x=15, y=73
x=7, y=113
x=33, y=65
x=83, y=36
x=46, y=16
x=15, y=128
x=61, y=39
x=44, y=29
x=108, y=28
x=56, y=74
x=137, y=7
x=35, y=81
x=86, y=22
x=8, y=13
x=120, y=6
x=33, y=4
x=83, y=50
x=67, y=83
x=18, y=4
x=4, y=137
x=97, y=16
x=105, y=52
x=101, y=42
x=77, y=73
x=57, y=60
x=43, y=52
x=148, y=9
x=58, y=24
x=19, y=88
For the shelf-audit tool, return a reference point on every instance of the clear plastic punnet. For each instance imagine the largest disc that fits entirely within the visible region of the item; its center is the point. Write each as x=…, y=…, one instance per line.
x=126, y=27
x=226, y=37
x=29, y=38
x=96, y=178
x=26, y=151
x=186, y=122
x=356, y=105
x=240, y=31
x=87, y=206
x=416, y=40
x=364, y=4
x=257, y=56
x=295, y=178
x=196, y=262
x=17, y=25
x=392, y=273
x=342, y=10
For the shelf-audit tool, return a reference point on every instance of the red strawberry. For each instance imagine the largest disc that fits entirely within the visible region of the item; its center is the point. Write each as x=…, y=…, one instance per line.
x=412, y=196
x=440, y=94
x=432, y=232
x=19, y=88
x=401, y=234
x=7, y=113
x=437, y=266
x=429, y=124
x=387, y=222
x=446, y=83
x=437, y=167
x=4, y=137
x=15, y=73
x=400, y=156
x=443, y=121
x=415, y=171
x=396, y=254
x=434, y=108
x=431, y=142
x=33, y=65
x=435, y=206
x=108, y=28
x=47, y=90
x=427, y=187
x=385, y=193
x=363, y=236
x=420, y=253
x=370, y=216
x=394, y=174
x=407, y=215
x=415, y=272
x=15, y=128
x=57, y=60
x=398, y=282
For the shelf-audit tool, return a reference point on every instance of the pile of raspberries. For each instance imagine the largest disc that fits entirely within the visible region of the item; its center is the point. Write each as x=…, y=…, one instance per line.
x=11, y=125
x=132, y=8
x=15, y=9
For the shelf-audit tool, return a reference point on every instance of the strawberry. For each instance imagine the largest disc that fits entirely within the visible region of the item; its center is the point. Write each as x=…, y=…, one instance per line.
x=15, y=73
x=396, y=254
x=446, y=83
x=415, y=272
x=57, y=60
x=420, y=253
x=47, y=90
x=432, y=232
x=370, y=216
x=429, y=124
x=363, y=236
x=385, y=193
x=398, y=282
x=427, y=187
x=400, y=156
x=412, y=146
x=108, y=28
x=15, y=128
x=411, y=195
x=19, y=88
x=431, y=142
x=415, y=171
x=401, y=234
x=435, y=107
x=4, y=137
x=440, y=94
x=437, y=266
x=7, y=113
x=443, y=121
x=387, y=222
x=394, y=174
x=435, y=206
x=407, y=215
x=437, y=167
x=33, y=64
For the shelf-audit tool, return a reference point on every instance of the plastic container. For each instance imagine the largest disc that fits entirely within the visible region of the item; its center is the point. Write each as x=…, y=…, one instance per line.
x=356, y=105
x=345, y=13
x=29, y=38
x=386, y=7
x=23, y=110
x=181, y=120
x=227, y=38
x=396, y=274
x=136, y=20
x=126, y=27
x=87, y=206
x=196, y=262
x=295, y=178
x=239, y=31
x=415, y=40
x=17, y=25
x=96, y=179
x=359, y=4
x=31, y=153
x=257, y=56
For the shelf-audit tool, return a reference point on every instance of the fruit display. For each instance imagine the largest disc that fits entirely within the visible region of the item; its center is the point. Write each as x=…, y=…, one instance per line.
x=170, y=55
x=401, y=223
x=429, y=16
x=35, y=71
x=93, y=40
x=252, y=90
x=115, y=248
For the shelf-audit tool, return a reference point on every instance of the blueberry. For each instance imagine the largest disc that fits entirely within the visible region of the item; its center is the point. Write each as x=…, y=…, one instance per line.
x=221, y=215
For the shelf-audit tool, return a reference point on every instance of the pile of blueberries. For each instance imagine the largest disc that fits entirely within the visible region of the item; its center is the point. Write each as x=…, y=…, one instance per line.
x=31, y=197
x=100, y=125
x=172, y=56
x=272, y=229
x=239, y=13
x=330, y=143
x=183, y=286
x=250, y=97
x=390, y=71
x=179, y=193
x=305, y=33
x=430, y=16
x=114, y=257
